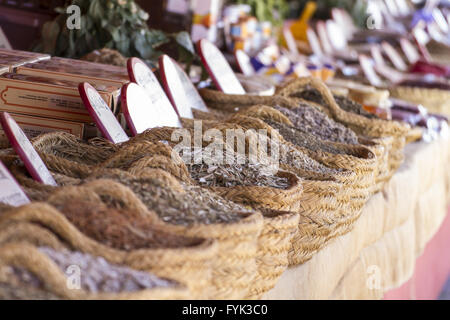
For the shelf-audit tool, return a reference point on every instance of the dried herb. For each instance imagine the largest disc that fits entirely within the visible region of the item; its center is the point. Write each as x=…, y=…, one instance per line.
x=107, y=222
x=237, y=172
x=313, y=95
x=195, y=205
x=311, y=120
x=303, y=139
x=97, y=275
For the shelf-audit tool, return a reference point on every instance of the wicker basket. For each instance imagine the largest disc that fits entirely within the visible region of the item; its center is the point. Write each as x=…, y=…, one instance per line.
x=189, y=264
x=54, y=283
x=367, y=127
x=435, y=100
x=234, y=268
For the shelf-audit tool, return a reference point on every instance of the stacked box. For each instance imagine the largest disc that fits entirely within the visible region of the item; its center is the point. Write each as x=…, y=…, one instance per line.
x=47, y=97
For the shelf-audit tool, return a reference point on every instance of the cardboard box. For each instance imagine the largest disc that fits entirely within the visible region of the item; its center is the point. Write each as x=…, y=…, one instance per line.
x=4, y=69
x=16, y=58
x=46, y=97
x=34, y=126
x=77, y=70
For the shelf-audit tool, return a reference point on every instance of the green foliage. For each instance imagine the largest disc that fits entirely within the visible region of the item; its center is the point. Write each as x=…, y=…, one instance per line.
x=114, y=24
x=357, y=8
x=267, y=10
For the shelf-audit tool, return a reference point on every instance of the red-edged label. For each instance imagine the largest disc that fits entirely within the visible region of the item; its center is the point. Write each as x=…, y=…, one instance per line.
x=323, y=37
x=314, y=43
x=23, y=147
x=10, y=191
x=102, y=115
x=244, y=63
x=367, y=67
x=410, y=51
x=218, y=68
x=336, y=35
x=377, y=55
x=142, y=112
x=179, y=88
x=394, y=56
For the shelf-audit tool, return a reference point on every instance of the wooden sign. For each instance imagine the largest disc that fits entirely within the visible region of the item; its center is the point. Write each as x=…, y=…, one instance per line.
x=244, y=63
x=25, y=150
x=142, y=112
x=102, y=115
x=367, y=67
x=394, y=56
x=219, y=69
x=10, y=191
x=179, y=88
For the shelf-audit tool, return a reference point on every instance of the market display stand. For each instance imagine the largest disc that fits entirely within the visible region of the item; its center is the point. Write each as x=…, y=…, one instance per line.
x=380, y=253
x=431, y=271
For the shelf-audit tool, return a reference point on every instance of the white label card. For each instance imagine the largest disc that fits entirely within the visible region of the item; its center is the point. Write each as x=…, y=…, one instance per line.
x=23, y=147
x=394, y=56
x=243, y=60
x=409, y=50
x=103, y=116
x=314, y=42
x=323, y=36
x=180, y=89
x=156, y=100
x=10, y=191
x=336, y=35
x=371, y=75
x=219, y=69
x=142, y=113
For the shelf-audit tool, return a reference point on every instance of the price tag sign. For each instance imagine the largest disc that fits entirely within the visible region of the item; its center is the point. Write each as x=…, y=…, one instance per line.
x=377, y=55
x=244, y=63
x=409, y=50
x=367, y=67
x=102, y=115
x=394, y=56
x=179, y=88
x=323, y=37
x=142, y=112
x=10, y=191
x=25, y=150
x=314, y=42
x=219, y=69
x=336, y=35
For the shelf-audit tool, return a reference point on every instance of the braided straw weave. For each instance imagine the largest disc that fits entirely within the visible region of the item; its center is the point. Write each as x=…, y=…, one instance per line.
x=188, y=264
x=372, y=128
x=256, y=197
x=355, y=158
x=234, y=268
x=435, y=100
x=27, y=257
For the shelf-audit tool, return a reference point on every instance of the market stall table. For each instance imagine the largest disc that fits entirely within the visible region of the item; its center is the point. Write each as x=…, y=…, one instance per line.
x=380, y=253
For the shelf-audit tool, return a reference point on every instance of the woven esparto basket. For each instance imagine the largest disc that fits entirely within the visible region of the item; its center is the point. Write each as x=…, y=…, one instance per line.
x=355, y=158
x=65, y=154
x=189, y=264
x=370, y=128
x=435, y=100
x=330, y=207
x=27, y=257
x=252, y=196
x=274, y=244
x=234, y=267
